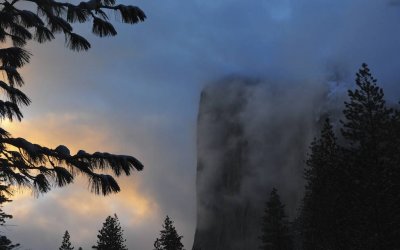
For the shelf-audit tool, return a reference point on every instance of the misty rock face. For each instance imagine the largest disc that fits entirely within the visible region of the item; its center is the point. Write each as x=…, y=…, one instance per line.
x=252, y=136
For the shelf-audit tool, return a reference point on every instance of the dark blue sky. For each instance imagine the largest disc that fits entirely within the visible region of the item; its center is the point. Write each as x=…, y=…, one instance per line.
x=138, y=94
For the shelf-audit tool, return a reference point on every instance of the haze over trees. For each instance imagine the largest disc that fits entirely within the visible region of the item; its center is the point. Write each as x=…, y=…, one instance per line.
x=353, y=176
x=275, y=225
x=352, y=199
x=325, y=187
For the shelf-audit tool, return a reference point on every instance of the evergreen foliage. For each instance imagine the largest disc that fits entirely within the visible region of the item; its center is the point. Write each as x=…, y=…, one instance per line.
x=6, y=244
x=66, y=243
x=169, y=238
x=111, y=237
x=3, y=199
x=352, y=198
x=23, y=163
x=371, y=128
x=275, y=226
x=322, y=211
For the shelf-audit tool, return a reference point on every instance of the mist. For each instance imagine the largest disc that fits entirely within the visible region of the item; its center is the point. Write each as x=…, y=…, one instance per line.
x=285, y=58
x=255, y=127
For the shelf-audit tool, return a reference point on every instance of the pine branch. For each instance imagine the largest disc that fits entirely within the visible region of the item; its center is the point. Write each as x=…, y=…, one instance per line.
x=9, y=110
x=15, y=95
x=14, y=78
x=43, y=34
x=32, y=165
x=14, y=57
x=103, y=28
x=76, y=42
x=76, y=14
x=32, y=157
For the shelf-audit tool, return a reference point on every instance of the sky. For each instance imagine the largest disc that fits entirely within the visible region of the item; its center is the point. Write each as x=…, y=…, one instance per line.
x=138, y=93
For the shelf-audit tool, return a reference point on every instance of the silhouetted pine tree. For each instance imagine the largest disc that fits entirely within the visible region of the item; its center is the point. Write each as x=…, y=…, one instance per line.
x=111, y=236
x=5, y=243
x=324, y=205
x=275, y=226
x=66, y=243
x=371, y=128
x=352, y=198
x=3, y=199
x=169, y=238
x=27, y=164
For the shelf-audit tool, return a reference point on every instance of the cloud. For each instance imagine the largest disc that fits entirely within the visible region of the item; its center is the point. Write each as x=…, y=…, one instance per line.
x=41, y=221
x=145, y=199
x=138, y=94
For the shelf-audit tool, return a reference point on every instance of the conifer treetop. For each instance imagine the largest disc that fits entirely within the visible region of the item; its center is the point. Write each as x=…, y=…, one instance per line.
x=366, y=110
x=110, y=236
x=66, y=243
x=169, y=237
x=274, y=228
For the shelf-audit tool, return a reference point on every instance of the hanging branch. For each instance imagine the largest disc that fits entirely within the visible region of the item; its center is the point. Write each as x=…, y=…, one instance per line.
x=23, y=163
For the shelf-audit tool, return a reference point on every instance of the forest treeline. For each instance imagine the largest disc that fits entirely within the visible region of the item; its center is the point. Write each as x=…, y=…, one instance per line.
x=352, y=175
x=29, y=165
x=111, y=237
x=351, y=199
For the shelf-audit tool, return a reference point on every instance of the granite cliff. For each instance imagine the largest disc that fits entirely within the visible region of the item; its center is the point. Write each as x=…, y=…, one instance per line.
x=252, y=136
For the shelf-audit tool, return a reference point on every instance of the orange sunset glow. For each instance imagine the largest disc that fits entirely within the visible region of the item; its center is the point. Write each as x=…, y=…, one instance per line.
x=199, y=125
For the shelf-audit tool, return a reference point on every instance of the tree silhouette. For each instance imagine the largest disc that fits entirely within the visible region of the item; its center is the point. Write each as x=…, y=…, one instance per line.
x=66, y=243
x=26, y=164
x=169, y=238
x=3, y=199
x=275, y=227
x=325, y=194
x=352, y=198
x=111, y=237
x=371, y=129
x=6, y=244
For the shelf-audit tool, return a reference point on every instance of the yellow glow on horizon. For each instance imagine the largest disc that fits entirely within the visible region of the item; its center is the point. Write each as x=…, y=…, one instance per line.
x=52, y=130
x=6, y=124
x=137, y=207
x=133, y=207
